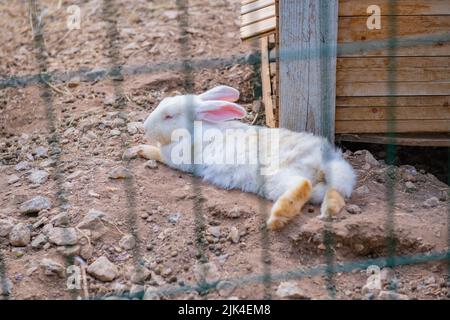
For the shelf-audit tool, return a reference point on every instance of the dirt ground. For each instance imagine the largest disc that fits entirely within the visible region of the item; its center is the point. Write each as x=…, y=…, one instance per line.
x=148, y=229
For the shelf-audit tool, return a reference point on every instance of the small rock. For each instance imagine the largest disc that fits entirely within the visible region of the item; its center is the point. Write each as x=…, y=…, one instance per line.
x=430, y=280
x=139, y=275
x=137, y=291
x=39, y=241
x=114, y=133
x=6, y=226
x=151, y=164
x=291, y=290
x=42, y=221
x=171, y=14
x=74, y=82
x=13, y=179
x=93, y=221
x=18, y=252
x=410, y=187
x=135, y=127
x=234, y=234
x=387, y=276
x=48, y=163
x=120, y=173
x=358, y=247
x=38, y=177
x=69, y=251
x=109, y=99
x=63, y=236
x=214, y=231
x=35, y=205
x=431, y=202
x=409, y=177
x=22, y=166
x=20, y=235
x=127, y=242
x=166, y=272
x=119, y=289
x=173, y=218
x=370, y=289
x=391, y=295
x=86, y=252
x=5, y=287
x=225, y=288
x=353, y=209
x=443, y=196
x=369, y=158
x=102, y=269
x=206, y=272
x=93, y=194
x=74, y=175
x=47, y=228
x=363, y=190
x=52, y=268
x=61, y=219
x=151, y=293
x=116, y=298
x=41, y=152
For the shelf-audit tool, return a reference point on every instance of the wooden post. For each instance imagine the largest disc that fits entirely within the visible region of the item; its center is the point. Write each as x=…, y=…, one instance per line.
x=266, y=84
x=307, y=70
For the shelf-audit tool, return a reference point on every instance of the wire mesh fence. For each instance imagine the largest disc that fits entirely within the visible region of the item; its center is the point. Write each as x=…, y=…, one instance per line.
x=109, y=11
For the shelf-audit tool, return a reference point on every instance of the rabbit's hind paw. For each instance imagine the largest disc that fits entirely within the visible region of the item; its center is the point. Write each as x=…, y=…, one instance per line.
x=289, y=205
x=332, y=204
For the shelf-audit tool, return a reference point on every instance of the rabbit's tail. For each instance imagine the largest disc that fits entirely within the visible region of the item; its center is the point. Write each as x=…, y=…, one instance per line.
x=340, y=176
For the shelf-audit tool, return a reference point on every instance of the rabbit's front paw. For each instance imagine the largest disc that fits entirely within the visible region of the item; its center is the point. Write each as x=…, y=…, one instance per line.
x=143, y=151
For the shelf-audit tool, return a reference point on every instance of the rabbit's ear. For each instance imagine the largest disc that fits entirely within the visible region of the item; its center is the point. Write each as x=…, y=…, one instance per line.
x=218, y=111
x=220, y=93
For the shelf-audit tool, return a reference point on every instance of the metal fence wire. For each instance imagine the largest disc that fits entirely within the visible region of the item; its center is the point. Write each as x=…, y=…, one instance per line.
x=110, y=10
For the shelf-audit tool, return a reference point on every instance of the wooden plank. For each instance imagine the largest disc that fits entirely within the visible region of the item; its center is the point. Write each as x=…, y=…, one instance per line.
x=425, y=46
x=419, y=140
x=404, y=7
x=266, y=85
x=431, y=46
x=255, y=16
x=259, y=28
x=378, y=69
x=308, y=80
x=382, y=75
x=400, y=62
x=416, y=36
x=277, y=77
x=355, y=29
x=243, y=2
x=412, y=88
x=399, y=126
x=411, y=101
x=273, y=69
x=398, y=113
x=255, y=5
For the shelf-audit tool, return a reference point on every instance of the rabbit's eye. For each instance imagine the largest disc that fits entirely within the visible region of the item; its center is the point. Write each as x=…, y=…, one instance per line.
x=167, y=117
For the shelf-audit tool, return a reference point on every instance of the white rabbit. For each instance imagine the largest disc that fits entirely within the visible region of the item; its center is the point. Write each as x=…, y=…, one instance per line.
x=308, y=167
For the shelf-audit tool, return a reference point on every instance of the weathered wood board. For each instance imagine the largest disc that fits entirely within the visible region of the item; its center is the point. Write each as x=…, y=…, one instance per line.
x=374, y=83
x=307, y=81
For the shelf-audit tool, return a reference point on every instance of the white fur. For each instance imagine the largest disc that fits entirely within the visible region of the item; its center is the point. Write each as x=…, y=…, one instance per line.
x=301, y=155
